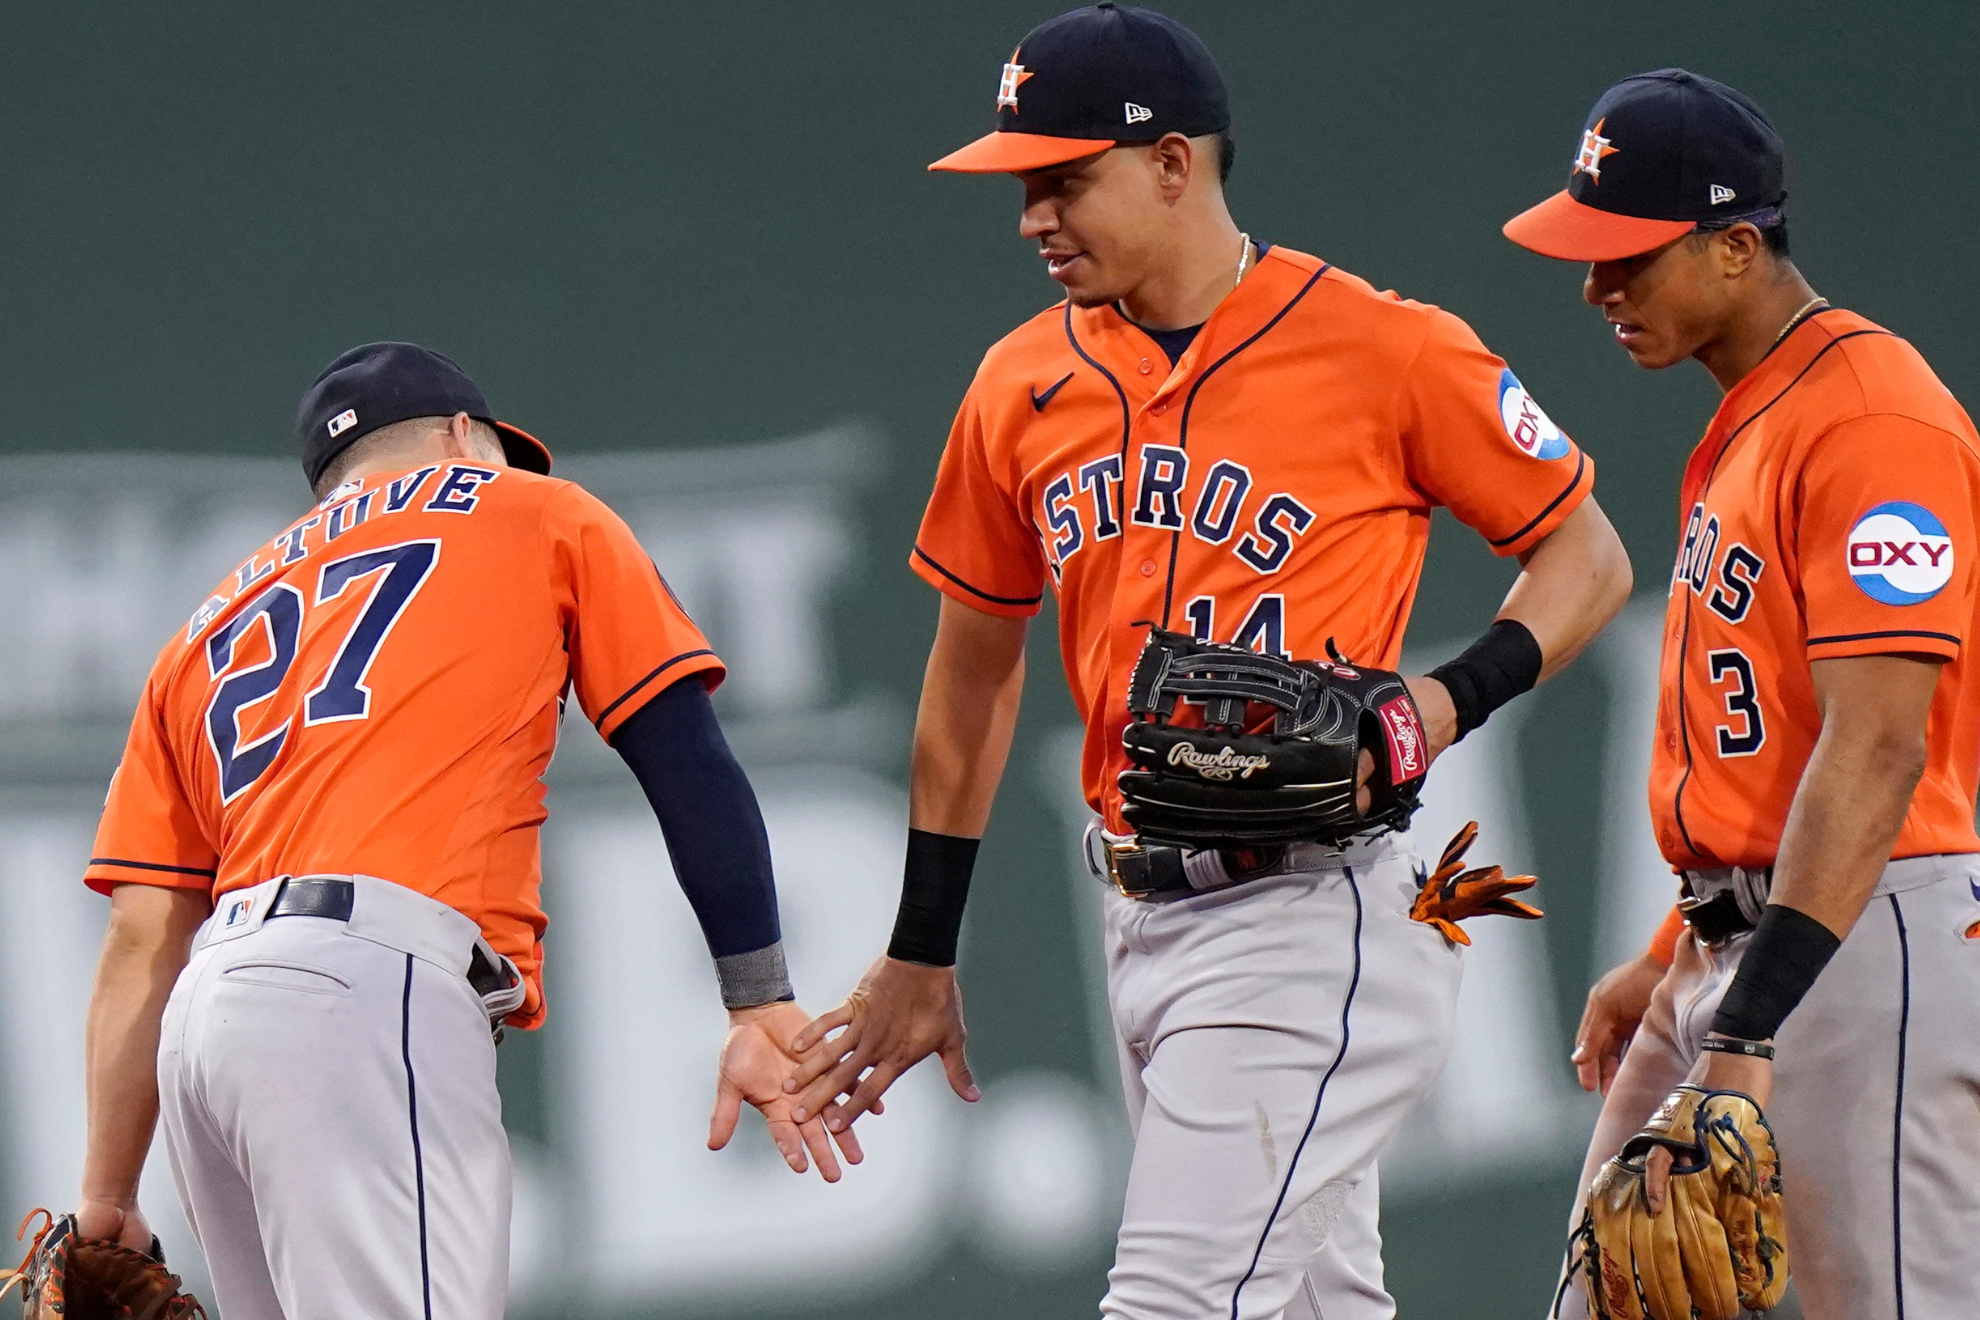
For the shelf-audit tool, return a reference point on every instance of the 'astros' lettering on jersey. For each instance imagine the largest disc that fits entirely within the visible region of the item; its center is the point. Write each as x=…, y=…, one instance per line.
x=1828, y=512
x=377, y=692
x=1273, y=489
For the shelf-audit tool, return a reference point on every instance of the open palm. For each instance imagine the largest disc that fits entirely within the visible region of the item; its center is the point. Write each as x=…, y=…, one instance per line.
x=757, y=1059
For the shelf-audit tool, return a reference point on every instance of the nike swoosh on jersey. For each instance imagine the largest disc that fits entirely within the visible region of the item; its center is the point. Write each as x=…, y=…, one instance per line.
x=1038, y=401
x=1974, y=885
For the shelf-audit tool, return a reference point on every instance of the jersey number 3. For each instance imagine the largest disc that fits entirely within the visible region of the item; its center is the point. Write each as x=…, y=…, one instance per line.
x=342, y=695
x=1748, y=731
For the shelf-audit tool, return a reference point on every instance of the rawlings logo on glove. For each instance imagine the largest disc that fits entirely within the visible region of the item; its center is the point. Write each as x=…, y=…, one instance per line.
x=1221, y=764
x=1403, y=728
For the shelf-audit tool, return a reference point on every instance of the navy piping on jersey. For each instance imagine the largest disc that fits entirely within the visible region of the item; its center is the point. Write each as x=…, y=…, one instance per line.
x=630, y=692
x=1893, y=632
x=1684, y=636
x=1189, y=402
x=1127, y=423
x=151, y=866
x=1285, y=1187
x=1897, y=1114
x=419, y=1159
x=1175, y=343
x=923, y=556
x=1580, y=466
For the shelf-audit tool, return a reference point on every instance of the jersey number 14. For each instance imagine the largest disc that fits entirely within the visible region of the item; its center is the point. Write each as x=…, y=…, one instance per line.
x=341, y=694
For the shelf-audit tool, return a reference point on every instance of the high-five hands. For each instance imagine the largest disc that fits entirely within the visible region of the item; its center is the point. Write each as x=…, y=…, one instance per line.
x=900, y=1014
x=757, y=1064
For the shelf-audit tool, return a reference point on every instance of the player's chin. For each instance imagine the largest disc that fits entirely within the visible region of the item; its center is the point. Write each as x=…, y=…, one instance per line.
x=1647, y=349
x=1090, y=296
x=1087, y=288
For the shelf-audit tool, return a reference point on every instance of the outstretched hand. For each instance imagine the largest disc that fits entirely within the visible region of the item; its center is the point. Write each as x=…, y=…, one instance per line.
x=757, y=1063
x=900, y=1014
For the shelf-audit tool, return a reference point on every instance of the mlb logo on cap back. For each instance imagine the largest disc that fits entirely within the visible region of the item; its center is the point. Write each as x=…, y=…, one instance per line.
x=1099, y=77
x=392, y=382
x=1900, y=554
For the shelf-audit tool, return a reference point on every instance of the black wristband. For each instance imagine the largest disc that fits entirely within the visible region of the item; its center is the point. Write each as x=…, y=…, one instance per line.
x=1492, y=671
x=933, y=892
x=1788, y=951
x=1752, y=1049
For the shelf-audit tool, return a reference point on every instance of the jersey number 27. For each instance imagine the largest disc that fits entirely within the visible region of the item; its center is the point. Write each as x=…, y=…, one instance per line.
x=341, y=694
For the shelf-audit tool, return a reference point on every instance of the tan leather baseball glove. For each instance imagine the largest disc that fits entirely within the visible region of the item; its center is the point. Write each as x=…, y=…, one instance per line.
x=70, y=1277
x=1720, y=1244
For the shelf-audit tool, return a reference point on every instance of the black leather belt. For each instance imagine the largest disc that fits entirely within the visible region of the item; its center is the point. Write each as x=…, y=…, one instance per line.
x=1716, y=919
x=334, y=897
x=1149, y=870
x=314, y=896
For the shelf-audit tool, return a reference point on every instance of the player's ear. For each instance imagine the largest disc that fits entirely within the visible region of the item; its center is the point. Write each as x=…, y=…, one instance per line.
x=1173, y=158
x=1736, y=249
x=460, y=441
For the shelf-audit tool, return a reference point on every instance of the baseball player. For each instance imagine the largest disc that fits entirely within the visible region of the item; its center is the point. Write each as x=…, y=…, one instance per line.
x=321, y=852
x=1816, y=743
x=1212, y=441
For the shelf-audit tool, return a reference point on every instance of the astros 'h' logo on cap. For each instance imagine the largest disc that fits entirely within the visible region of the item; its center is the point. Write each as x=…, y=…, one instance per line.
x=1014, y=76
x=1593, y=148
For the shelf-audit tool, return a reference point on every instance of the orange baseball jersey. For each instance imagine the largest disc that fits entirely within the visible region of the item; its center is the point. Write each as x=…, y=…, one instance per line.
x=1825, y=514
x=378, y=690
x=1274, y=488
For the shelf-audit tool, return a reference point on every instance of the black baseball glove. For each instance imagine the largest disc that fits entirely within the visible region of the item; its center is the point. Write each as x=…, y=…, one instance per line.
x=1275, y=757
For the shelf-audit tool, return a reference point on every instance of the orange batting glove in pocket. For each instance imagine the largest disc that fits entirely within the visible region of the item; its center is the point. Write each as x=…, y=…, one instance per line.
x=1452, y=894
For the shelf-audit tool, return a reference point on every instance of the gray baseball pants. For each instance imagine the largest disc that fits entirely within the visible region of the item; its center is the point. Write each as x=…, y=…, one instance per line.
x=1876, y=1102
x=1272, y=1037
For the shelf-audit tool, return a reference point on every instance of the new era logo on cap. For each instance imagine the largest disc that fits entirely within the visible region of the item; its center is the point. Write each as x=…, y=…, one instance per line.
x=343, y=421
x=1722, y=194
x=1137, y=113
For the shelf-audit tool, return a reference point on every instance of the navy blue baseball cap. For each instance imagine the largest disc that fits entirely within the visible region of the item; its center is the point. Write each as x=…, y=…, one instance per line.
x=1661, y=155
x=1099, y=77
x=375, y=385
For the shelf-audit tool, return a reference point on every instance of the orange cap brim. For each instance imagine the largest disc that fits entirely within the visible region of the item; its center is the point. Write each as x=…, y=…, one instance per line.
x=1014, y=153
x=1574, y=231
x=524, y=450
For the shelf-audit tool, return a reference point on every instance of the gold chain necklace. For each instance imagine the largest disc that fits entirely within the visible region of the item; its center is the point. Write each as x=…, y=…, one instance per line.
x=1244, y=257
x=1808, y=309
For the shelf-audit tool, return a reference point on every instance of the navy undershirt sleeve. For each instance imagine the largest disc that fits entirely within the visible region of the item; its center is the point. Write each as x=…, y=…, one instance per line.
x=708, y=813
